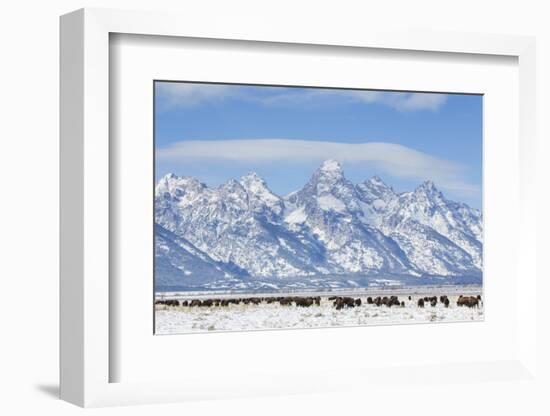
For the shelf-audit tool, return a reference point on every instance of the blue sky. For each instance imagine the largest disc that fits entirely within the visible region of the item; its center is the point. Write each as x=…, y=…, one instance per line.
x=215, y=132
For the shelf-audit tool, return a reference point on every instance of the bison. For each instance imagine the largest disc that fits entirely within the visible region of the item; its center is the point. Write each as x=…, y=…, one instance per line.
x=285, y=301
x=304, y=302
x=169, y=302
x=255, y=301
x=391, y=301
x=469, y=301
x=346, y=301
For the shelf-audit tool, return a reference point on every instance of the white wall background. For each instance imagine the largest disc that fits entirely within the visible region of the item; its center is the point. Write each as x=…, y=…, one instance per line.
x=29, y=204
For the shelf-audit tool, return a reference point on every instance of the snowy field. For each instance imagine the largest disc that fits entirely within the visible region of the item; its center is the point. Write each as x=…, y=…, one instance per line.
x=177, y=320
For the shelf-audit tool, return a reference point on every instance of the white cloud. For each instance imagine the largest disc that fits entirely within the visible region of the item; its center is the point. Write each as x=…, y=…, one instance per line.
x=178, y=94
x=402, y=101
x=393, y=159
x=192, y=94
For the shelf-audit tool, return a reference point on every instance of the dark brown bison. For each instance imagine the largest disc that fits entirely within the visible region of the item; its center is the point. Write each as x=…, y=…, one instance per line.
x=345, y=301
x=168, y=302
x=358, y=302
x=285, y=301
x=446, y=302
x=195, y=302
x=350, y=302
x=391, y=301
x=420, y=303
x=369, y=300
x=303, y=302
x=469, y=301
x=255, y=301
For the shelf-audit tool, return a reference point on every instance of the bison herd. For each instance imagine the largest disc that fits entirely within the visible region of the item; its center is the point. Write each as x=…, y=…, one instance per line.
x=469, y=301
x=339, y=302
x=432, y=301
x=387, y=301
x=303, y=301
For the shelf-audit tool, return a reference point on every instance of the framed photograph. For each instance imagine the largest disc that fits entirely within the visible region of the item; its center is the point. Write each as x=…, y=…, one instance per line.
x=273, y=208
x=305, y=207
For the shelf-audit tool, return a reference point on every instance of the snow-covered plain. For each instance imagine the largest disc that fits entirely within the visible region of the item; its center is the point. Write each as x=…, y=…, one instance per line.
x=178, y=320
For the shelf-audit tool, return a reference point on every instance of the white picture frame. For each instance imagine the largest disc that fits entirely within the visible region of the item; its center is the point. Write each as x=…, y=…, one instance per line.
x=87, y=308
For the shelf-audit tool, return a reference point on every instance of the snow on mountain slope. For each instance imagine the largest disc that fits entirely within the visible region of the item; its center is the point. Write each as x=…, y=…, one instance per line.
x=236, y=222
x=329, y=227
x=176, y=259
x=333, y=213
x=378, y=199
x=427, y=206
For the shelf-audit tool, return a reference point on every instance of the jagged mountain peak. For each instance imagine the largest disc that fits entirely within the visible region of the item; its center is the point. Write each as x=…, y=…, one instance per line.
x=328, y=178
x=232, y=184
x=428, y=187
x=374, y=189
x=252, y=177
x=232, y=191
x=428, y=191
x=257, y=188
x=327, y=190
x=377, y=181
x=375, y=184
x=331, y=165
x=169, y=176
x=253, y=182
x=177, y=186
x=172, y=178
x=329, y=171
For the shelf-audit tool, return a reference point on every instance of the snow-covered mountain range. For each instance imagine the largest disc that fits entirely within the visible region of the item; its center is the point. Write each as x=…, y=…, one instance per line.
x=330, y=233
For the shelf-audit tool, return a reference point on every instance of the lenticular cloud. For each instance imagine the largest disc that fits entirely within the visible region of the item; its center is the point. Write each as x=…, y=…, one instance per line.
x=393, y=159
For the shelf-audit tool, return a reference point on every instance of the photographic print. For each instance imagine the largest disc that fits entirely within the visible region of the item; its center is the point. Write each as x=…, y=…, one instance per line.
x=281, y=207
